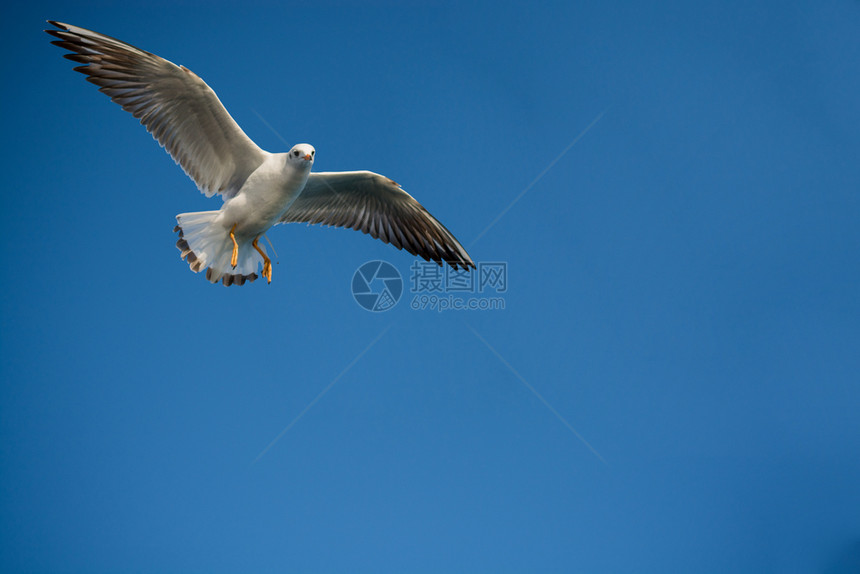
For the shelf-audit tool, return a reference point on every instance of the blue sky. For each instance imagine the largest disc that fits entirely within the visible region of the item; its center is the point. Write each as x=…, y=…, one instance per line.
x=683, y=295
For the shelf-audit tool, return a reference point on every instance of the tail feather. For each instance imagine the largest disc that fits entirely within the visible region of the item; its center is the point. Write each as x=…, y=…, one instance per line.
x=205, y=244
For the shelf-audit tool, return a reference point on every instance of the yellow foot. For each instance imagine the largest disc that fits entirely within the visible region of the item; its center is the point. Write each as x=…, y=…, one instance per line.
x=235, y=258
x=267, y=263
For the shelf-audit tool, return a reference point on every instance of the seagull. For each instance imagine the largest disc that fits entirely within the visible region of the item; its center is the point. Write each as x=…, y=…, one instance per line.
x=259, y=189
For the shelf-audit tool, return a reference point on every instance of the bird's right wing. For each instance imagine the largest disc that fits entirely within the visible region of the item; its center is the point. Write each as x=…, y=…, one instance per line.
x=180, y=111
x=372, y=203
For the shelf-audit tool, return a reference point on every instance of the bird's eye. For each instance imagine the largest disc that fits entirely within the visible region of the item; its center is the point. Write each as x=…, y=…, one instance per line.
x=312, y=153
x=296, y=153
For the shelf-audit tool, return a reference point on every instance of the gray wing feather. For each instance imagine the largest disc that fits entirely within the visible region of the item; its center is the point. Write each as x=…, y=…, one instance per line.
x=373, y=204
x=180, y=111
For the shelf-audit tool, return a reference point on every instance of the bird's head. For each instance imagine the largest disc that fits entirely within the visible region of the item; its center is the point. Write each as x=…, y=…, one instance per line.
x=302, y=155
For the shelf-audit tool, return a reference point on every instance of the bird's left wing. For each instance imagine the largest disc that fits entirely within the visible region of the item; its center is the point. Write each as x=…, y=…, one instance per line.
x=180, y=111
x=372, y=203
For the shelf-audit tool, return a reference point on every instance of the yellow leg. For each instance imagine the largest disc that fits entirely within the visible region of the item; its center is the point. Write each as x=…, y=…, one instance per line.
x=267, y=263
x=235, y=259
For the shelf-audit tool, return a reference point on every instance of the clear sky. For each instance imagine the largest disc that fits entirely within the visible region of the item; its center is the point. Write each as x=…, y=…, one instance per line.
x=672, y=385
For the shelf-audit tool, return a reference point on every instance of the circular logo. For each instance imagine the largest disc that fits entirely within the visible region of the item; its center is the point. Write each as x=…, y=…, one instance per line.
x=377, y=286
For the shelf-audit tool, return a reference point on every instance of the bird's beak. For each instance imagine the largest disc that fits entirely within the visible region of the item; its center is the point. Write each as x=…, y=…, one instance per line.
x=308, y=156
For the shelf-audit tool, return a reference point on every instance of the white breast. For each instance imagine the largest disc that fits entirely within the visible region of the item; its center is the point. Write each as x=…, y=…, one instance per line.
x=264, y=197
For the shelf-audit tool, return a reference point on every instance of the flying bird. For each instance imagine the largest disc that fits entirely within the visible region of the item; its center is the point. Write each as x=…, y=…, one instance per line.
x=259, y=189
